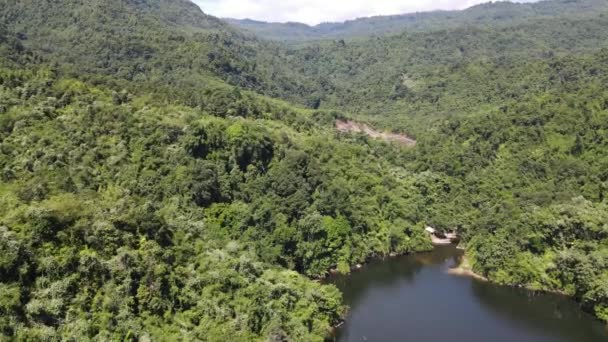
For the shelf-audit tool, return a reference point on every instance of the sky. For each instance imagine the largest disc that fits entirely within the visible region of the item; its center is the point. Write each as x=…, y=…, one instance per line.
x=313, y=12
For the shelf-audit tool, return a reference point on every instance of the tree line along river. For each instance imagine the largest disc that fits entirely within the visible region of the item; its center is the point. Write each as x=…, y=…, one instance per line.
x=413, y=298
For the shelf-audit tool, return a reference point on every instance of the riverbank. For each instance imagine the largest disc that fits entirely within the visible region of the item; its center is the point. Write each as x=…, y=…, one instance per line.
x=437, y=241
x=407, y=296
x=465, y=269
x=334, y=271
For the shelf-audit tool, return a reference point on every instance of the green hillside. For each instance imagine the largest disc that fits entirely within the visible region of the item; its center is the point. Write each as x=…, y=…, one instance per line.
x=160, y=43
x=439, y=73
x=528, y=181
x=165, y=176
x=126, y=217
x=491, y=14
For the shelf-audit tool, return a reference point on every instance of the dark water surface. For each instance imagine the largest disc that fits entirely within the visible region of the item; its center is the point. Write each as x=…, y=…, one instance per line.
x=412, y=298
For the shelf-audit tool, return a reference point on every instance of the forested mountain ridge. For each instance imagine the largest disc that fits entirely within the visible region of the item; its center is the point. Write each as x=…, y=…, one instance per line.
x=125, y=217
x=146, y=45
x=430, y=75
x=150, y=188
x=532, y=182
x=499, y=13
x=158, y=43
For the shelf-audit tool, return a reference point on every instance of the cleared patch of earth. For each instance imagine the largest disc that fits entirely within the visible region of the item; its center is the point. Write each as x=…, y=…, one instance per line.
x=349, y=126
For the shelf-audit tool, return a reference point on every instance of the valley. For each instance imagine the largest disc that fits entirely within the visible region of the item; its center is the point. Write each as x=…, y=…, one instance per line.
x=169, y=175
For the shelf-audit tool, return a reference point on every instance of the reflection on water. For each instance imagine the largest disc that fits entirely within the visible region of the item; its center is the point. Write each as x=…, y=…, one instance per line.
x=545, y=312
x=412, y=298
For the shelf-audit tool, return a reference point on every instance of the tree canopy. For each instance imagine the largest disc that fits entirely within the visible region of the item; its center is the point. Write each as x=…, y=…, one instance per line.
x=166, y=176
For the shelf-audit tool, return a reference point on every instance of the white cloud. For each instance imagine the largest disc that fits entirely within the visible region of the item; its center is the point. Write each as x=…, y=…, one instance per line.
x=317, y=11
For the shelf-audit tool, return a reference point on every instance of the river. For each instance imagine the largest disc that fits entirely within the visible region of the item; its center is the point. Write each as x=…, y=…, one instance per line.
x=412, y=298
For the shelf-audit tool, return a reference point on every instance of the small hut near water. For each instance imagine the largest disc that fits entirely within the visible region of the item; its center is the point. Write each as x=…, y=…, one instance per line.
x=440, y=238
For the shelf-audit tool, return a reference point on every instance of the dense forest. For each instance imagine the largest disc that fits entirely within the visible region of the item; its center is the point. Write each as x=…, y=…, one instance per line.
x=167, y=176
x=498, y=13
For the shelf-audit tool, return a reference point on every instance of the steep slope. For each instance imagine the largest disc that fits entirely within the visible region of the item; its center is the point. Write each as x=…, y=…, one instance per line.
x=143, y=43
x=161, y=42
x=123, y=217
x=528, y=181
x=511, y=117
x=430, y=75
x=145, y=194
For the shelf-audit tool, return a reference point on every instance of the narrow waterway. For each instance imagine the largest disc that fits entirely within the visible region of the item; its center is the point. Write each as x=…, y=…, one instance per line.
x=412, y=298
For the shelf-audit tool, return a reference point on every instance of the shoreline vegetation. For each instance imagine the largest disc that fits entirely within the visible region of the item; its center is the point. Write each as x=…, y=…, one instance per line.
x=450, y=239
x=435, y=241
x=465, y=269
x=161, y=166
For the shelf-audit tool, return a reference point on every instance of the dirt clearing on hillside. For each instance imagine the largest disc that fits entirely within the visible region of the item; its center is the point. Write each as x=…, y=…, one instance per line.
x=350, y=126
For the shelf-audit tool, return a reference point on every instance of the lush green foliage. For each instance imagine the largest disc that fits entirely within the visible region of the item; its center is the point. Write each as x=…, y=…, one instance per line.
x=513, y=127
x=529, y=179
x=149, y=190
x=490, y=14
x=157, y=44
x=121, y=218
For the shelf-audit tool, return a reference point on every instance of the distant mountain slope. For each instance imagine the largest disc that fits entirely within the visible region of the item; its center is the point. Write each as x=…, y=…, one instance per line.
x=172, y=45
x=411, y=78
x=89, y=169
x=145, y=195
x=168, y=42
x=497, y=13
